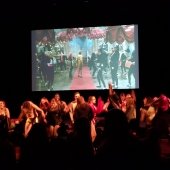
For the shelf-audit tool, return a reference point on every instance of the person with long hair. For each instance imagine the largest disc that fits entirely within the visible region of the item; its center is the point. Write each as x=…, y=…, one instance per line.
x=92, y=104
x=53, y=118
x=84, y=110
x=4, y=116
x=30, y=111
x=44, y=104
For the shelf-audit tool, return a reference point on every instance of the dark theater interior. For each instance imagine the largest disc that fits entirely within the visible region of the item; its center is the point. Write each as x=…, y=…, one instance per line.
x=85, y=113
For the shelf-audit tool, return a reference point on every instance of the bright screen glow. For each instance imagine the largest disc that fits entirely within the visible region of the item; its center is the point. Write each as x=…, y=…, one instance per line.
x=87, y=58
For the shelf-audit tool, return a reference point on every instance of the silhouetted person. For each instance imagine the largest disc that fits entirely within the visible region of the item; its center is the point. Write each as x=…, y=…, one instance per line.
x=35, y=148
x=112, y=152
x=93, y=63
x=7, y=151
x=82, y=152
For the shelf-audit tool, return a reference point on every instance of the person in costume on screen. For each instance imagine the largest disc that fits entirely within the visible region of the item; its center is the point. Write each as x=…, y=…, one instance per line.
x=123, y=59
x=100, y=66
x=93, y=63
x=50, y=70
x=42, y=63
x=80, y=64
x=132, y=69
x=63, y=58
x=114, y=63
x=70, y=58
x=104, y=52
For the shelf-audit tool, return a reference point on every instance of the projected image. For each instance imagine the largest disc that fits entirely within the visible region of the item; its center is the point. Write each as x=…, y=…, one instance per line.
x=86, y=58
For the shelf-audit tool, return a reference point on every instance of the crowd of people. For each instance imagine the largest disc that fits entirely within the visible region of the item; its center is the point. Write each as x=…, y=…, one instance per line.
x=86, y=134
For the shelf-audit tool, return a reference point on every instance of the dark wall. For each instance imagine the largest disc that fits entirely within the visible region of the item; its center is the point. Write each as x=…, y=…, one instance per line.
x=17, y=22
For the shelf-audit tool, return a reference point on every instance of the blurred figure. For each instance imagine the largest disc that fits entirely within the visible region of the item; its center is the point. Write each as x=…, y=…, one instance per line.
x=61, y=104
x=130, y=108
x=105, y=107
x=147, y=111
x=161, y=121
x=100, y=66
x=44, y=104
x=112, y=151
x=83, y=109
x=123, y=102
x=92, y=104
x=80, y=64
x=62, y=108
x=93, y=63
x=133, y=70
x=70, y=58
x=123, y=58
x=114, y=63
x=51, y=62
x=30, y=112
x=4, y=116
x=114, y=98
x=82, y=145
x=72, y=105
x=53, y=118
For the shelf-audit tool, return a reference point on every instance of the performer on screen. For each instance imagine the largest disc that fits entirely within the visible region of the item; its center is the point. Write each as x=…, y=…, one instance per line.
x=80, y=64
x=100, y=65
x=114, y=63
x=132, y=69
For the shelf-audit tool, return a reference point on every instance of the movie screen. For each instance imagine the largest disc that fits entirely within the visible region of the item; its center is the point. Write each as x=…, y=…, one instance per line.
x=87, y=58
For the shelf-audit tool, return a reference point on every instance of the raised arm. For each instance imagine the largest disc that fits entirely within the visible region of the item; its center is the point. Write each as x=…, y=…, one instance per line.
x=111, y=91
x=37, y=108
x=113, y=97
x=133, y=95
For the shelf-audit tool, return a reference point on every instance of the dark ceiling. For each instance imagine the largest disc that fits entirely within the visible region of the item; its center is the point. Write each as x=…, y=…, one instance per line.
x=83, y=11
